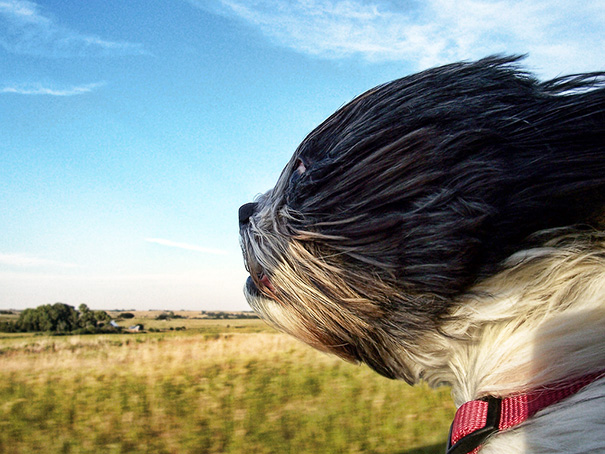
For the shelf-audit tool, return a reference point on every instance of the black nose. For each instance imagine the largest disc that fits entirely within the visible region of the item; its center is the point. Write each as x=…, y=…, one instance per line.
x=245, y=211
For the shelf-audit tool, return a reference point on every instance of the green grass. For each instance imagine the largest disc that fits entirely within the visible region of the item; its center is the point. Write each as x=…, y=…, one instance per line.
x=231, y=386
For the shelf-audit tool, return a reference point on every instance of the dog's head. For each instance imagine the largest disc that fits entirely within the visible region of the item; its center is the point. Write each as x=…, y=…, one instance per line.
x=412, y=193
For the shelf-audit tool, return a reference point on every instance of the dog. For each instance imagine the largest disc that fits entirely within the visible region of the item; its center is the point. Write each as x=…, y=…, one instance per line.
x=449, y=227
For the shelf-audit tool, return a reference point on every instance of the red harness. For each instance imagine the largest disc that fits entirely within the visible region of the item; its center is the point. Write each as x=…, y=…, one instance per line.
x=478, y=419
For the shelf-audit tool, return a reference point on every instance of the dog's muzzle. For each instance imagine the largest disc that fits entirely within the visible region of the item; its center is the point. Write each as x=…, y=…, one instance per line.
x=246, y=211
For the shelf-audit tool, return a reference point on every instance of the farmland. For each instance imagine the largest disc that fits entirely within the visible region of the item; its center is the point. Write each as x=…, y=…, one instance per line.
x=217, y=386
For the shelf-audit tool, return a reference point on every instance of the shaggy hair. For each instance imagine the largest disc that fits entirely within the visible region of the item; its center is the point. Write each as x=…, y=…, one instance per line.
x=447, y=226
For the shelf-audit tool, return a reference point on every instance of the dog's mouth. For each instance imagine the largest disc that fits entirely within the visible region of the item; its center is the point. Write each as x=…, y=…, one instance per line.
x=261, y=286
x=259, y=282
x=266, y=282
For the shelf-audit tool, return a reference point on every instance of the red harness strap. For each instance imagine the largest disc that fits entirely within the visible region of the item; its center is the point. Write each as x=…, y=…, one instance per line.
x=478, y=419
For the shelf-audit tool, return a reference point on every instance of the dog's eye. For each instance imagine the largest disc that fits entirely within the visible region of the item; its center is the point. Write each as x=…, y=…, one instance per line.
x=299, y=169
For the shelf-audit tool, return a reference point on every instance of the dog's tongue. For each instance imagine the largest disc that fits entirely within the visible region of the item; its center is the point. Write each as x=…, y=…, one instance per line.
x=266, y=282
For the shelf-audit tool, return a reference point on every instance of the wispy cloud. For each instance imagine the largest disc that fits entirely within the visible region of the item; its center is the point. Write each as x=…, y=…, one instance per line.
x=29, y=261
x=38, y=89
x=26, y=29
x=559, y=35
x=188, y=247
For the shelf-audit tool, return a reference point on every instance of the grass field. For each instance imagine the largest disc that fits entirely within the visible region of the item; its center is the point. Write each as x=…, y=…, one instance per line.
x=220, y=386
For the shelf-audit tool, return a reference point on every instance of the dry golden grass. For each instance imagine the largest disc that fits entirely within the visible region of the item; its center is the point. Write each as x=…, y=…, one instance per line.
x=205, y=391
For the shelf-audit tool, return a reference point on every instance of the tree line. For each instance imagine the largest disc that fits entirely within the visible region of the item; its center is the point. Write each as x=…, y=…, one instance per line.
x=219, y=315
x=60, y=318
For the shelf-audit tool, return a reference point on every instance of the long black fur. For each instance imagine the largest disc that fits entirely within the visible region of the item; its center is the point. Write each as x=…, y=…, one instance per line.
x=415, y=191
x=463, y=162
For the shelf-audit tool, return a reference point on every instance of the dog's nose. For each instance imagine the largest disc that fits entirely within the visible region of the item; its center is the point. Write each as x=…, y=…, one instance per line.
x=245, y=211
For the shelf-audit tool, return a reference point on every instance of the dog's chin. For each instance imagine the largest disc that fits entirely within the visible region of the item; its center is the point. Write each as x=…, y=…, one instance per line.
x=251, y=290
x=276, y=314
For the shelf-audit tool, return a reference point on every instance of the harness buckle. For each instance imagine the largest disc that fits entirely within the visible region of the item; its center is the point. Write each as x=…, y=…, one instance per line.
x=470, y=442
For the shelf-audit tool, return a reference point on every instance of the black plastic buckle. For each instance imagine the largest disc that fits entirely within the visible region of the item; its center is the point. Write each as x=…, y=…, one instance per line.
x=475, y=439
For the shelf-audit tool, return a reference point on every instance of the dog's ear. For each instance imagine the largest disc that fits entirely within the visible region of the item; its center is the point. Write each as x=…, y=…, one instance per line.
x=434, y=179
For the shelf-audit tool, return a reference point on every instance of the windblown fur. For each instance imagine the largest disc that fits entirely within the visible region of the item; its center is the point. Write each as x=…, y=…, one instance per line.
x=449, y=227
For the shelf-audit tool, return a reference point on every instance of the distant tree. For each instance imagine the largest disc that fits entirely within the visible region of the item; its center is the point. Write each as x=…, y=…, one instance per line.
x=8, y=327
x=101, y=317
x=126, y=315
x=168, y=316
x=57, y=318
x=87, y=317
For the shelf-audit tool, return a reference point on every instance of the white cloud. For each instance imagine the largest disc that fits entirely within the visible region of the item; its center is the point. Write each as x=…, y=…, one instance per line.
x=38, y=89
x=25, y=29
x=188, y=247
x=559, y=35
x=23, y=9
x=28, y=261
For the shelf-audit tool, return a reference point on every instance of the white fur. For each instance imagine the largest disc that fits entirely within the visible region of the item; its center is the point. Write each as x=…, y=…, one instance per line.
x=540, y=322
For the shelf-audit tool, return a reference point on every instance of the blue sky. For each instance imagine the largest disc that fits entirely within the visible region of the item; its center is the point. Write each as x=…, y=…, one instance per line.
x=130, y=132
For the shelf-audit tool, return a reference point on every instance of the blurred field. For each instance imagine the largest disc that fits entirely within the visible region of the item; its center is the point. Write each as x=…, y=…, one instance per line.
x=220, y=386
